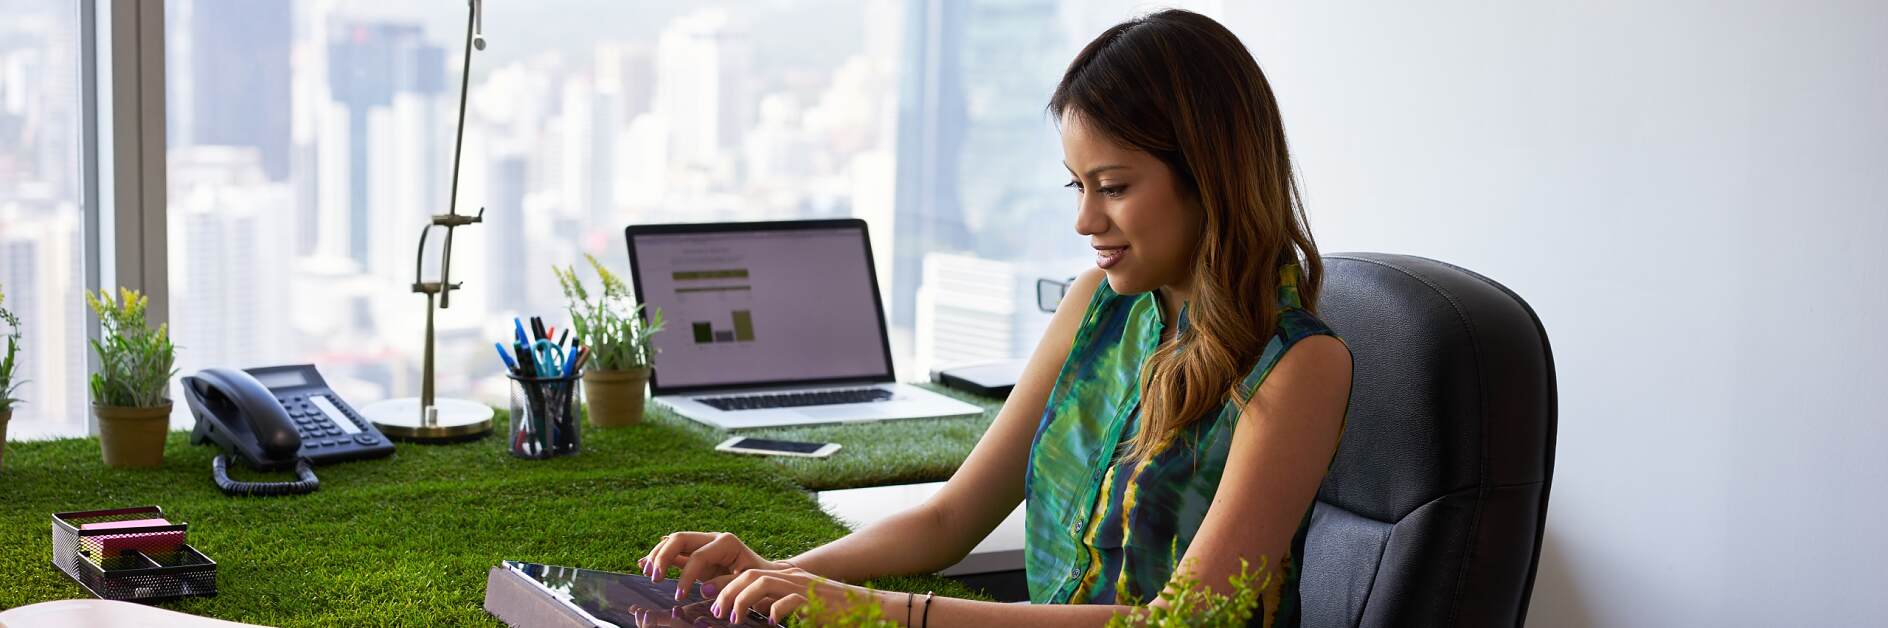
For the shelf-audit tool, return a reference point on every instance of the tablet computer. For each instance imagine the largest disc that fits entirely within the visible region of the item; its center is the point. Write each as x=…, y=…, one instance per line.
x=532, y=594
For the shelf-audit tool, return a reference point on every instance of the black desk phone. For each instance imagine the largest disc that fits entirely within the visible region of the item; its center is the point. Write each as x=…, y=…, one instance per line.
x=274, y=418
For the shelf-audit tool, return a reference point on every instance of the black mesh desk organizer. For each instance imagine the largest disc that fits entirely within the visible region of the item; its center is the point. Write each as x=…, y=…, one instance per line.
x=147, y=563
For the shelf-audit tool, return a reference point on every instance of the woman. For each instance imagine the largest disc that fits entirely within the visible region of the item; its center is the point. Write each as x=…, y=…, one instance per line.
x=1143, y=448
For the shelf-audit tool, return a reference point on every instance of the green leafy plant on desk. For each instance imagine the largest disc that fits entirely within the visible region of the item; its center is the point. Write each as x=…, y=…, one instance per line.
x=9, y=369
x=1189, y=605
x=130, y=391
x=616, y=374
x=859, y=612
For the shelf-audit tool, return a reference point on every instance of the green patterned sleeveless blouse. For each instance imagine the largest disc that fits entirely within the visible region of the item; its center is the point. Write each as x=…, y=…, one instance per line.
x=1103, y=531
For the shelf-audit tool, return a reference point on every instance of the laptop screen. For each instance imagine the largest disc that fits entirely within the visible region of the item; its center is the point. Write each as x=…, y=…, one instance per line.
x=761, y=303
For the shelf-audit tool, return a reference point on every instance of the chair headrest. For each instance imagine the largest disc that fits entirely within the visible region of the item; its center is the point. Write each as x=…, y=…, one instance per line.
x=1452, y=374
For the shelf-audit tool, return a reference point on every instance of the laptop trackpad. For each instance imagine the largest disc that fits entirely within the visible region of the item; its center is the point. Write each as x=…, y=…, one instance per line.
x=846, y=412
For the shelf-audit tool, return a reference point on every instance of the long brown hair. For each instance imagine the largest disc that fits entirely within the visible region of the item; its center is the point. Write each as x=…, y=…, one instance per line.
x=1179, y=86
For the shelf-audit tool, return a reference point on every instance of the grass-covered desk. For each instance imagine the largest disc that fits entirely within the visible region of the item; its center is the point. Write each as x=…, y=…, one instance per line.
x=871, y=454
x=407, y=539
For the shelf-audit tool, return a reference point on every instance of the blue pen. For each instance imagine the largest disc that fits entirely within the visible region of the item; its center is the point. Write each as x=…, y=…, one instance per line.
x=509, y=363
x=570, y=361
x=519, y=326
x=576, y=361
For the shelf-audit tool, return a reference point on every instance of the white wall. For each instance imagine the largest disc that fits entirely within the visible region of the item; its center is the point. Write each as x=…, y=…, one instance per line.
x=1694, y=196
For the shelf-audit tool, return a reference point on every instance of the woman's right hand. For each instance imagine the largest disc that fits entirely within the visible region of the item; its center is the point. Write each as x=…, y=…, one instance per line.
x=709, y=557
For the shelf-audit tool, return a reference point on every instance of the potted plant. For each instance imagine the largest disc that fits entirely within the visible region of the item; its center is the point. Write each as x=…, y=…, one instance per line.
x=130, y=391
x=9, y=366
x=616, y=374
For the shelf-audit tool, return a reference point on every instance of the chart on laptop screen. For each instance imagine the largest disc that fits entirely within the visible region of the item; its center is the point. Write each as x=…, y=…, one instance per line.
x=760, y=306
x=725, y=295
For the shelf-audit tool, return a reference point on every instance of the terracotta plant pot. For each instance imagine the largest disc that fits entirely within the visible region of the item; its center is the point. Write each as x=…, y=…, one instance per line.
x=615, y=398
x=4, y=417
x=132, y=438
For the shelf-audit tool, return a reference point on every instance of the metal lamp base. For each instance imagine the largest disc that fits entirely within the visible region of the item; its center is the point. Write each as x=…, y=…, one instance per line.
x=454, y=420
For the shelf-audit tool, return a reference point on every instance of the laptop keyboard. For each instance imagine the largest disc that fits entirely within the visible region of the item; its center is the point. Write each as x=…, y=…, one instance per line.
x=794, y=400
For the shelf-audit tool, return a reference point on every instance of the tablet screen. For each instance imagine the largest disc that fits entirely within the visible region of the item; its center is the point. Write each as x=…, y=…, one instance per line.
x=625, y=599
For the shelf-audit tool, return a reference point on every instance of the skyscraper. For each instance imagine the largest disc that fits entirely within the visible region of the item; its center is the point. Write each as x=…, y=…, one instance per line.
x=627, y=70
x=368, y=64
x=977, y=156
x=1010, y=169
x=226, y=240
x=506, y=249
x=591, y=121
x=927, y=214
x=42, y=265
x=701, y=65
x=213, y=100
x=40, y=262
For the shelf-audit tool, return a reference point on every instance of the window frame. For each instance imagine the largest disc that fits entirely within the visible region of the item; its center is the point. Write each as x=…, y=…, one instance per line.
x=121, y=156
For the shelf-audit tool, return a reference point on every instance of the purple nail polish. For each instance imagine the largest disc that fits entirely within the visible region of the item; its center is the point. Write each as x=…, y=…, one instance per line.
x=716, y=609
x=708, y=590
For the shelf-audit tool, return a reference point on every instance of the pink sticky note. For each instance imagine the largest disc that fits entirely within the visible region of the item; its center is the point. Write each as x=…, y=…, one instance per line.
x=133, y=523
x=147, y=542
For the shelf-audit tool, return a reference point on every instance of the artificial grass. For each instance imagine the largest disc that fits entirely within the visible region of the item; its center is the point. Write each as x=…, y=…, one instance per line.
x=407, y=540
x=870, y=454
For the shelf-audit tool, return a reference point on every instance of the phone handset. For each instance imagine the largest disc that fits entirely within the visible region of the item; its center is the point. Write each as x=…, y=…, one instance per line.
x=243, y=417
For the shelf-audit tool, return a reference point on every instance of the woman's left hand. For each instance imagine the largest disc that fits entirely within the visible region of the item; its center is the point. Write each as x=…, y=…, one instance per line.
x=786, y=588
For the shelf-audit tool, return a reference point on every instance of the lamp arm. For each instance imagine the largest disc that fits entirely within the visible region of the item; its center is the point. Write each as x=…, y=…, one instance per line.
x=473, y=23
x=465, y=78
x=419, y=259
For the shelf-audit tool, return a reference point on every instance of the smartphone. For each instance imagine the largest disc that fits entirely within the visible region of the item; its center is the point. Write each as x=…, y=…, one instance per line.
x=765, y=447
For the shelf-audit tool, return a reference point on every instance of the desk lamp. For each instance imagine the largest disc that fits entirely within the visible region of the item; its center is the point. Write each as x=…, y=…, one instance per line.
x=425, y=418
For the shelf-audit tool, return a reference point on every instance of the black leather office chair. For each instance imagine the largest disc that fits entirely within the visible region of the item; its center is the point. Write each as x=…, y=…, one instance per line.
x=1433, y=512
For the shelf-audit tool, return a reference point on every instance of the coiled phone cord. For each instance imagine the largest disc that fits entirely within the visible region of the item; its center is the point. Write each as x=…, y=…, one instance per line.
x=306, y=482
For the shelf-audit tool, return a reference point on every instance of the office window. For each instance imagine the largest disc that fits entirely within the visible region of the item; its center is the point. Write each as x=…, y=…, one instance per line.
x=309, y=141
x=42, y=265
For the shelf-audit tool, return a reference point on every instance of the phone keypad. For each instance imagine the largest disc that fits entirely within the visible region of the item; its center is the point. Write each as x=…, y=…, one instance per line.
x=319, y=430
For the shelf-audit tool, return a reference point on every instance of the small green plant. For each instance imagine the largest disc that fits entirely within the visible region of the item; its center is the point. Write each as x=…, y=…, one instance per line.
x=611, y=324
x=9, y=363
x=135, y=362
x=859, y=612
x=1191, y=604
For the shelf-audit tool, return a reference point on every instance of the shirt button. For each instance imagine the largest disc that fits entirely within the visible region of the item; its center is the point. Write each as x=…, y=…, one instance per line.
x=1075, y=528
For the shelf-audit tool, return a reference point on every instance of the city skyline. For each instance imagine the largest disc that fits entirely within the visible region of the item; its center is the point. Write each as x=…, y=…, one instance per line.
x=42, y=260
x=298, y=186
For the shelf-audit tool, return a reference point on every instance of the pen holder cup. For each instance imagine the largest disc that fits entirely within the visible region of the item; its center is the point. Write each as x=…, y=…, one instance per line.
x=544, y=421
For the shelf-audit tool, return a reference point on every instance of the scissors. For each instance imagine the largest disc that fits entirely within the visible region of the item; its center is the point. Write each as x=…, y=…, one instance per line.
x=549, y=357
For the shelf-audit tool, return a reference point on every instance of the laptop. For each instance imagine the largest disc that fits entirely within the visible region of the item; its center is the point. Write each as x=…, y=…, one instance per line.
x=772, y=324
